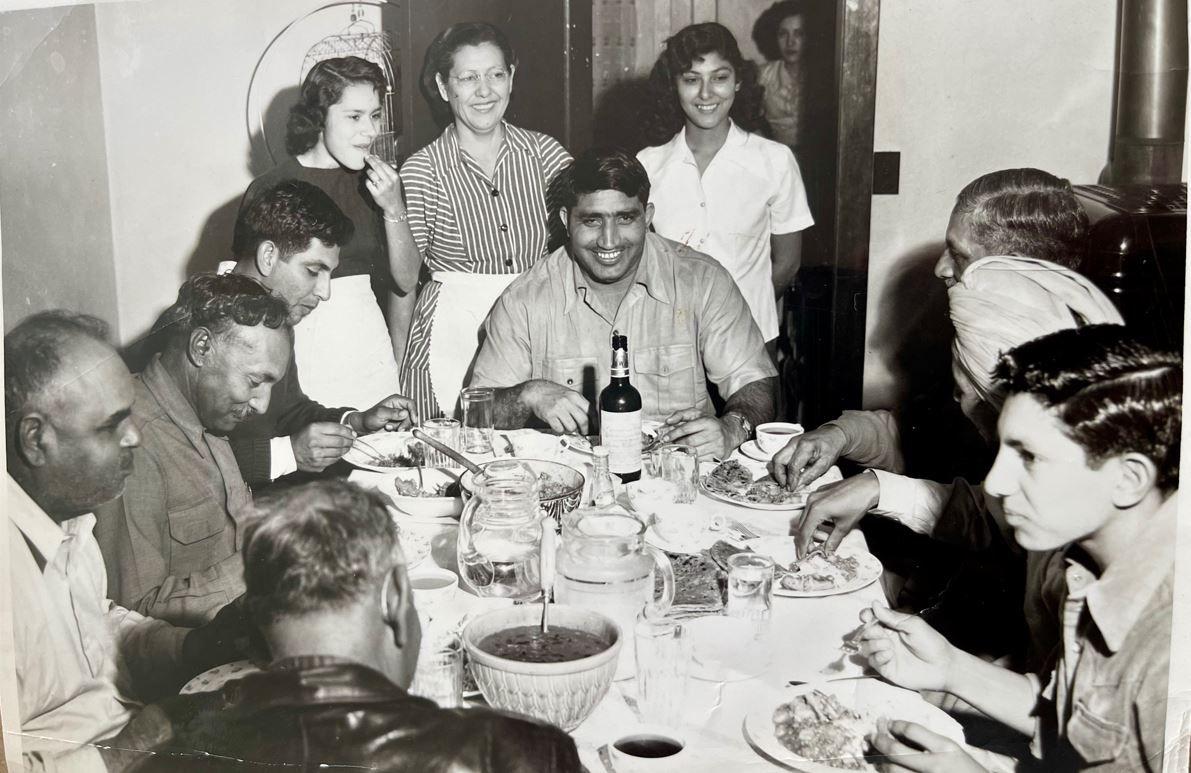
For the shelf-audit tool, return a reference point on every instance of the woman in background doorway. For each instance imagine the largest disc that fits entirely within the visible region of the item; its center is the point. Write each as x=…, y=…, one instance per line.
x=343, y=350
x=717, y=184
x=780, y=34
x=478, y=210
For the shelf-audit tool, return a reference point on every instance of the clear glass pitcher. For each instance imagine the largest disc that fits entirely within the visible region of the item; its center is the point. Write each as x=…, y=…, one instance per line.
x=499, y=542
x=604, y=565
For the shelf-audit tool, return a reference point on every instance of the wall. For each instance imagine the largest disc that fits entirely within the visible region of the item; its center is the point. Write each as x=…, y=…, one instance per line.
x=964, y=89
x=175, y=76
x=56, y=236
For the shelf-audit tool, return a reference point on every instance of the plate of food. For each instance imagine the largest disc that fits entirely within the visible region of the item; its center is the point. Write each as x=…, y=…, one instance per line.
x=386, y=451
x=414, y=544
x=582, y=444
x=426, y=492
x=733, y=482
x=821, y=728
x=851, y=567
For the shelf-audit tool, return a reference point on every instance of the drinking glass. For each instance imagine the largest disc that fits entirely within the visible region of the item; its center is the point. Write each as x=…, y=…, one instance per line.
x=478, y=419
x=750, y=587
x=663, y=667
x=385, y=146
x=439, y=676
x=445, y=431
x=678, y=464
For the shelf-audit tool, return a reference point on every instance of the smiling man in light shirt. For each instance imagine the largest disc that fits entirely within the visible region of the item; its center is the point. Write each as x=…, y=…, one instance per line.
x=547, y=347
x=82, y=663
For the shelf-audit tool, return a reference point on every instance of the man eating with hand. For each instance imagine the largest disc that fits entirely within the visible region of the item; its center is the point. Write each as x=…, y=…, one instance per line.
x=1087, y=475
x=547, y=351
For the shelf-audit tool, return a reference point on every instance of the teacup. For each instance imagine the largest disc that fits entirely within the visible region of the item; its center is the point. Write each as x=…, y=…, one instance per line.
x=647, y=750
x=434, y=588
x=773, y=436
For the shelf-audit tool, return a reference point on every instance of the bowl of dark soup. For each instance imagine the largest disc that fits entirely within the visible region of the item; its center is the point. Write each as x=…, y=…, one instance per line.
x=558, y=677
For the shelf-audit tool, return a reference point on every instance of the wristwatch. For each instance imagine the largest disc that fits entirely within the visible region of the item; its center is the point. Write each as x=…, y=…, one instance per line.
x=743, y=421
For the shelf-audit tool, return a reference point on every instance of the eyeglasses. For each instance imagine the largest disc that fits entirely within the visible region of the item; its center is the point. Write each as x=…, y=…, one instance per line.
x=470, y=81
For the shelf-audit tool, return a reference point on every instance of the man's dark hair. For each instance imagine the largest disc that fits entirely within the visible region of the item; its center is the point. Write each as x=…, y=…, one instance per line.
x=33, y=352
x=323, y=87
x=663, y=117
x=603, y=169
x=1113, y=394
x=320, y=545
x=1025, y=212
x=440, y=57
x=219, y=301
x=290, y=214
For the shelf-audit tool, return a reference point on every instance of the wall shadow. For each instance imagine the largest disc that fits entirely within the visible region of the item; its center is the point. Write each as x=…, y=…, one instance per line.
x=617, y=119
x=914, y=331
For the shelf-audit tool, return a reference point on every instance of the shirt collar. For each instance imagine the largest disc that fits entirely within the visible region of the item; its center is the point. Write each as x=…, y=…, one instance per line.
x=515, y=141
x=655, y=273
x=737, y=138
x=40, y=529
x=177, y=408
x=1118, y=597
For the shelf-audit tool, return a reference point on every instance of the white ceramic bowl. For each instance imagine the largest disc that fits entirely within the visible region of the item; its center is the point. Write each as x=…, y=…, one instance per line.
x=424, y=507
x=563, y=693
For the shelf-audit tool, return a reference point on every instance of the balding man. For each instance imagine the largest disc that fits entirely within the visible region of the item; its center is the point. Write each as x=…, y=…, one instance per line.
x=81, y=662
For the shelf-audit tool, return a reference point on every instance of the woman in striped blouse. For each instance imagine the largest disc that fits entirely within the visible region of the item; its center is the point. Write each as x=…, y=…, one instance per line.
x=478, y=211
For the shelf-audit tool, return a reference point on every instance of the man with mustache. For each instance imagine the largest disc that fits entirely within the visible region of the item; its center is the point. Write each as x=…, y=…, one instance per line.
x=82, y=663
x=172, y=541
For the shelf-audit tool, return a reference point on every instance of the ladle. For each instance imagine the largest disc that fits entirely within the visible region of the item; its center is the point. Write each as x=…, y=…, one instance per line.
x=446, y=450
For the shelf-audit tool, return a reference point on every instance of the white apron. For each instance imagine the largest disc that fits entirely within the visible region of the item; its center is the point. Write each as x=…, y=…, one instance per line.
x=464, y=301
x=343, y=349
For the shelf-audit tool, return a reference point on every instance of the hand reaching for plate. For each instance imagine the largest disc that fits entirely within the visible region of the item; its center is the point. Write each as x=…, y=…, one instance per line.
x=842, y=504
x=910, y=746
x=805, y=458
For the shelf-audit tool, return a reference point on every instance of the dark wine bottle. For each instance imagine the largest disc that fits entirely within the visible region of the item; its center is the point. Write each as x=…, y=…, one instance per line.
x=620, y=416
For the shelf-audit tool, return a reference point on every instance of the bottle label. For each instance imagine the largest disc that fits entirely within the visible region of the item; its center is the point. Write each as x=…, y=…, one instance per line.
x=620, y=433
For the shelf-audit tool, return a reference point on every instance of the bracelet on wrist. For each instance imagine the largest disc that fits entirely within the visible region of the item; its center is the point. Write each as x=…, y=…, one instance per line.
x=399, y=219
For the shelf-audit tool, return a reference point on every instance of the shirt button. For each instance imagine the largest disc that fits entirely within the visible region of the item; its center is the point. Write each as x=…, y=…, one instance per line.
x=504, y=227
x=702, y=204
x=570, y=381
x=508, y=261
x=495, y=193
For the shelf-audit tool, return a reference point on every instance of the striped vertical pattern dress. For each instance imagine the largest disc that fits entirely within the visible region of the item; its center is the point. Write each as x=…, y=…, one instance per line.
x=465, y=222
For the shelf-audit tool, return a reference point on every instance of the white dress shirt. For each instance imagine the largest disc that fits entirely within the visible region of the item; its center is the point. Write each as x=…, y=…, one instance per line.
x=73, y=646
x=751, y=190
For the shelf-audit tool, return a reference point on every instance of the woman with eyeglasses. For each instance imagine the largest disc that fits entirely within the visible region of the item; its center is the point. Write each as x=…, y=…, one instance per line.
x=476, y=212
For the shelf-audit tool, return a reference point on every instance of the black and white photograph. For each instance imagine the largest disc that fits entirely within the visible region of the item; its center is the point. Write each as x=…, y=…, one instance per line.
x=594, y=386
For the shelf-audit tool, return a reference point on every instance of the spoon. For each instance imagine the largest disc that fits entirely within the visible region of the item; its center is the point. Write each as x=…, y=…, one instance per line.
x=546, y=567
x=446, y=450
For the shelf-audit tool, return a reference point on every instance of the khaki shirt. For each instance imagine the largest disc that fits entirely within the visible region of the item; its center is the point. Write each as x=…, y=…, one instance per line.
x=1105, y=705
x=172, y=541
x=686, y=321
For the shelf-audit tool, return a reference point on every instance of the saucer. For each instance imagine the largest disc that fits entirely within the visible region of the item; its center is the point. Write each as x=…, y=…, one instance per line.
x=753, y=451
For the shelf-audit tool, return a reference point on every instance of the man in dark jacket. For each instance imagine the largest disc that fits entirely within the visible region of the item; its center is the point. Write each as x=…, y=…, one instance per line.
x=326, y=582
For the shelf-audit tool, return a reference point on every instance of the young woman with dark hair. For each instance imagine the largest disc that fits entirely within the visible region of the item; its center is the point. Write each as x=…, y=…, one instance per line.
x=719, y=186
x=343, y=349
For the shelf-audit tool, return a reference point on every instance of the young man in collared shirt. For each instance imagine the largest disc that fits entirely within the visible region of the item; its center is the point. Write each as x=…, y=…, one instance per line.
x=1087, y=468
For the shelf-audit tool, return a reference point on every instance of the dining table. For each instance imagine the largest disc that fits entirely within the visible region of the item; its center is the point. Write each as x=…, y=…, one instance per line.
x=802, y=644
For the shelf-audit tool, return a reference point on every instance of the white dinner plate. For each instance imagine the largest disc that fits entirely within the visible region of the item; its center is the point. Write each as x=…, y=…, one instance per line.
x=872, y=698
x=696, y=544
x=785, y=507
x=782, y=551
x=582, y=445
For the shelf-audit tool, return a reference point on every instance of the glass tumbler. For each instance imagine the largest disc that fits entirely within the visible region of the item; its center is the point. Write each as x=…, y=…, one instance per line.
x=750, y=587
x=663, y=651
x=439, y=676
x=386, y=146
x=445, y=431
x=478, y=419
x=678, y=464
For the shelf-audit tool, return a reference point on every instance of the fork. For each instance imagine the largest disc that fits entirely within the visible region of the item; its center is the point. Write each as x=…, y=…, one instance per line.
x=369, y=450
x=743, y=530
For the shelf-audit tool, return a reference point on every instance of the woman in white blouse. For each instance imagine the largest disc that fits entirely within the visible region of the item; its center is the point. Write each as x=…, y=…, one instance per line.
x=718, y=185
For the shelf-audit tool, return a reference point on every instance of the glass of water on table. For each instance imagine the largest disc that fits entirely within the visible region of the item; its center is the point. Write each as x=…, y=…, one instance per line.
x=445, y=431
x=750, y=587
